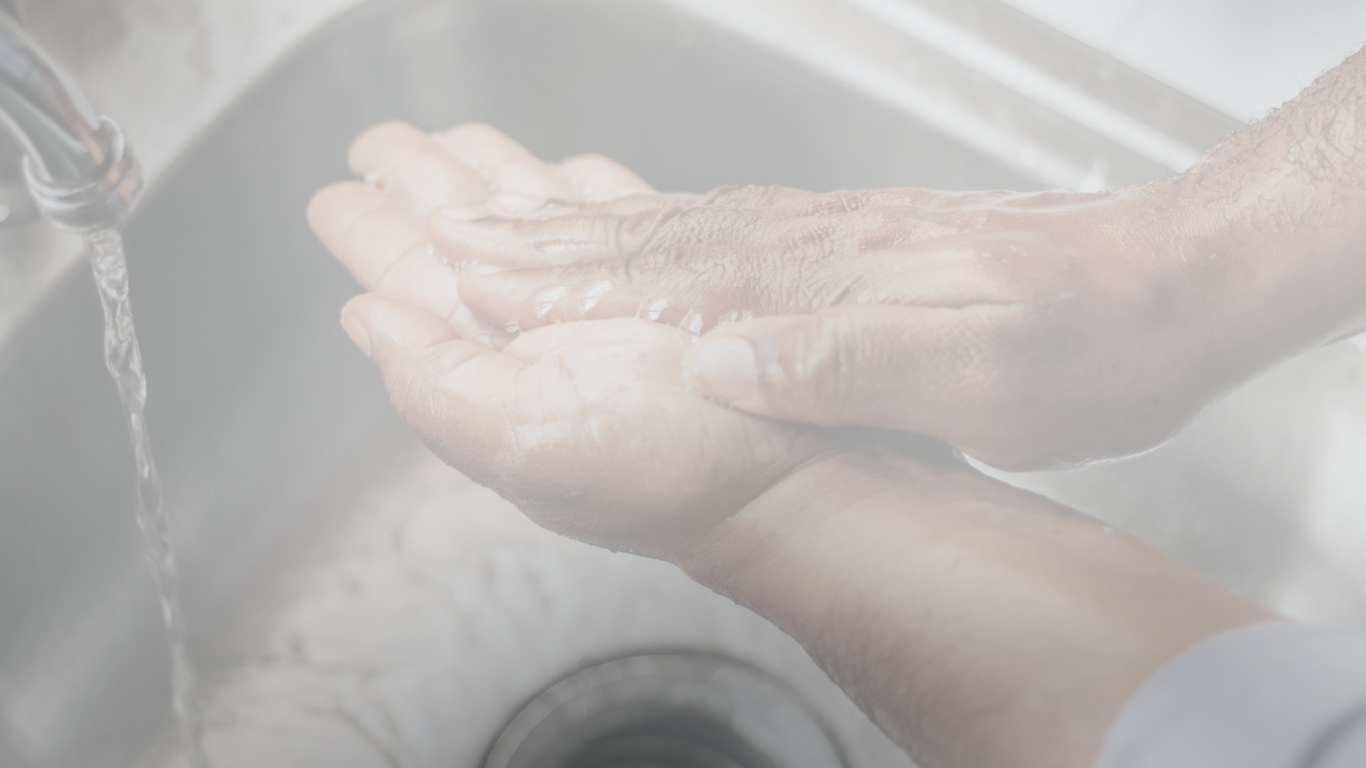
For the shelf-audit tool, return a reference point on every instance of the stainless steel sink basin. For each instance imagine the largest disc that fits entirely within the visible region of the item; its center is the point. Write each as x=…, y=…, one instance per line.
x=352, y=602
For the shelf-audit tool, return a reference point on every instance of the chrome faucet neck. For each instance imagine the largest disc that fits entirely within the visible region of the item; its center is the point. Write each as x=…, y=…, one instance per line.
x=77, y=165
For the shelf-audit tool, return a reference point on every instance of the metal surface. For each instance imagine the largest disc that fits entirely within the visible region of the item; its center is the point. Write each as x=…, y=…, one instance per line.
x=79, y=169
x=46, y=112
x=16, y=206
x=275, y=438
x=15, y=8
x=1019, y=93
x=668, y=710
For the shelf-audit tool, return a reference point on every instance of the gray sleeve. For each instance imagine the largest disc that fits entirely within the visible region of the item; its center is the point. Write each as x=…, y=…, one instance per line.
x=1276, y=695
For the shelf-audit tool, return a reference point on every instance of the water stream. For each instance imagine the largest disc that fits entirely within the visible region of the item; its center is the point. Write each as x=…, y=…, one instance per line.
x=124, y=360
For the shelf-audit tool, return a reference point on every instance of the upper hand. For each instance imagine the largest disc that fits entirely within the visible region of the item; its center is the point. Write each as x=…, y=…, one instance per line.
x=1028, y=330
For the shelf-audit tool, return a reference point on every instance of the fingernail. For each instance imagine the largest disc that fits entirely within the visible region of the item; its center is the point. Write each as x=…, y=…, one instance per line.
x=357, y=331
x=726, y=369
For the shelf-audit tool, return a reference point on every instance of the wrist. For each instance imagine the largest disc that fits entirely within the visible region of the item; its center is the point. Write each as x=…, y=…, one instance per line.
x=1286, y=200
x=863, y=473
x=925, y=589
x=858, y=468
x=1252, y=288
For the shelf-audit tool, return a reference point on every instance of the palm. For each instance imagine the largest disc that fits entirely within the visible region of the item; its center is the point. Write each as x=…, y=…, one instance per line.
x=589, y=429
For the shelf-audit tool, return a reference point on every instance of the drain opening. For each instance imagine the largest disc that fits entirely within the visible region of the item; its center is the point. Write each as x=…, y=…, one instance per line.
x=679, y=740
x=667, y=711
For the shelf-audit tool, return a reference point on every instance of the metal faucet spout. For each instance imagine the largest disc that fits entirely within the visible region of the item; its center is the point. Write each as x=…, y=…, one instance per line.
x=81, y=172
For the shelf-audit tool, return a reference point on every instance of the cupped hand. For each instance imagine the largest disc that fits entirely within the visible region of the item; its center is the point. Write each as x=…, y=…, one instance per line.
x=587, y=427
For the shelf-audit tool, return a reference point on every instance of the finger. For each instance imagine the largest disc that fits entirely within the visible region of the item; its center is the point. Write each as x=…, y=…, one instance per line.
x=533, y=298
x=408, y=164
x=505, y=165
x=618, y=230
x=665, y=289
x=595, y=178
x=448, y=390
x=911, y=368
x=383, y=247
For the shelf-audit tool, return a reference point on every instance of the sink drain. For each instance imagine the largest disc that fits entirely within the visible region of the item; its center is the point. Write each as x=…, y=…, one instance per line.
x=666, y=711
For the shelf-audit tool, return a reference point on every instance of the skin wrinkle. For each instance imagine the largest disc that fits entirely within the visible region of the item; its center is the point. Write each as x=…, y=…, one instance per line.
x=725, y=279
x=654, y=234
x=1319, y=134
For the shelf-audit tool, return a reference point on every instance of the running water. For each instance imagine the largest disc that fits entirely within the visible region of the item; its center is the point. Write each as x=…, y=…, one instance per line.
x=124, y=360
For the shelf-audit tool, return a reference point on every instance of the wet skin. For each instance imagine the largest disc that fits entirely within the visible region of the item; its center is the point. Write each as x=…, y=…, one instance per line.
x=1028, y=330
x=977, y=624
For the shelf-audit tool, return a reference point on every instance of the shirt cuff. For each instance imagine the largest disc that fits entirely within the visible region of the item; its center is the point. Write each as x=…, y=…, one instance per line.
x=1274, y=695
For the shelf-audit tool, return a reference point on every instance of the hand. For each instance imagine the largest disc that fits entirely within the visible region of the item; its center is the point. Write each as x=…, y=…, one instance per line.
x=923, y=587
x=586, y=427
x=1028, y=330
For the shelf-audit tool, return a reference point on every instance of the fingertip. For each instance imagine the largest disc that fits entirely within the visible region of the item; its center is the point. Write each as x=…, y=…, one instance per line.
x=480, y=146
x=497, y=297
x=596, y=178
x=474, y=131
x=332, y=208
x=357, y=331
x=368, y=153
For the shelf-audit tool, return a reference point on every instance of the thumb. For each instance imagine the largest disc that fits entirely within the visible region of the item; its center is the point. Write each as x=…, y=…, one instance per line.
x=882, y=366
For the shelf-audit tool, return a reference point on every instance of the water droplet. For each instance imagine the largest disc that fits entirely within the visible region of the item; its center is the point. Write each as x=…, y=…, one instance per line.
x=543, y=302
x=693, y=323
x=652, y=309
x=372, y=180
x=514, y=327
x=728, y=318
x=438, y=255
x=590, y=295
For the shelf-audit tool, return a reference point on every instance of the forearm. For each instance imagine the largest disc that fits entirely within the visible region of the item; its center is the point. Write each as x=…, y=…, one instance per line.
x=1275, y=222
x=977, y=624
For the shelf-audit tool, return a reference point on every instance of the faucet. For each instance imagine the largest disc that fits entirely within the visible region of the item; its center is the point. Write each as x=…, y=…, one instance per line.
x=77, y=166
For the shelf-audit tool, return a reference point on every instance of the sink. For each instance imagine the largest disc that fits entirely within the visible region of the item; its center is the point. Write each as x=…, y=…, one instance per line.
x=352, y=601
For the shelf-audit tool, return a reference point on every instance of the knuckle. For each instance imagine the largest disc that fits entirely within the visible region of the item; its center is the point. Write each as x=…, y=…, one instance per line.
x=647, y=231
